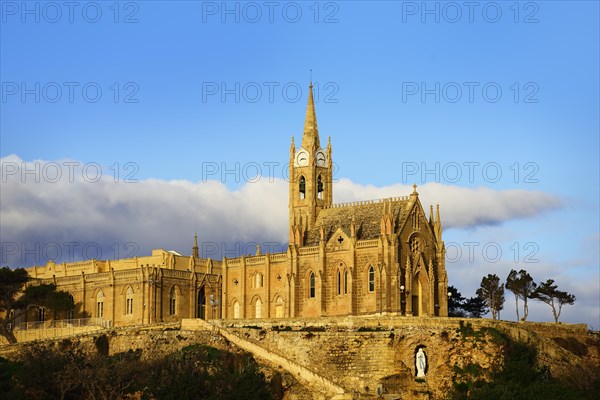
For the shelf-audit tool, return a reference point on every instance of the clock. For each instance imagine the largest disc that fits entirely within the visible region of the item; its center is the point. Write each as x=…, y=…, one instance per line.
x=302, y=158
x=320, y=158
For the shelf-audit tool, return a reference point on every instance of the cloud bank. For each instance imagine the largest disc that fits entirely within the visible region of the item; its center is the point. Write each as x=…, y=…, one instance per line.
x=46, y=216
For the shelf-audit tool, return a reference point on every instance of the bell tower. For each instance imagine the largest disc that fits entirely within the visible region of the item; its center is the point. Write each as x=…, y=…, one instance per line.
x=310, y=177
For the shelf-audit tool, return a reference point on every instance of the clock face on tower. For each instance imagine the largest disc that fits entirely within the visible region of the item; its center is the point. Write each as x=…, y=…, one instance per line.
x=320, y=158
x=302, y=158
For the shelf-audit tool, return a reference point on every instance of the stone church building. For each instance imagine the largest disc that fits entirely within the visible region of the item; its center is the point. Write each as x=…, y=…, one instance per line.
x=366, y=257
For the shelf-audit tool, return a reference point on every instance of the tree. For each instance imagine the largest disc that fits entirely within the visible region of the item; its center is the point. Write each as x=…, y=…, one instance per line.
x=459, y=306
x=492, y=292
x=548, y=293
x=455, y=303
x=522, y=286
x=15, y=297
x=476, y=307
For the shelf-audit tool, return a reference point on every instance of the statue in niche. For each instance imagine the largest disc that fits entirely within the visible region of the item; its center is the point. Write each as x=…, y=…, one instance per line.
x=421, y=363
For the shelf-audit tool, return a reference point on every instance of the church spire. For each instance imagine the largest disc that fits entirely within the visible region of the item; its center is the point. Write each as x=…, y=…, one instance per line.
x=195, y=252
x=438, y=224
x=311, y=131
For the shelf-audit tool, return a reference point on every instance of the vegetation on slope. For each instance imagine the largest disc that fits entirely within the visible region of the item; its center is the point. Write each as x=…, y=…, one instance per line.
x=195, y=372
x=521, y=378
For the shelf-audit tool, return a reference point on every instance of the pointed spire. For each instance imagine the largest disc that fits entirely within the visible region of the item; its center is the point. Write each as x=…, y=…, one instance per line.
x=310, y=137
x=438, y=224
x=195, y=252
x=431, y=214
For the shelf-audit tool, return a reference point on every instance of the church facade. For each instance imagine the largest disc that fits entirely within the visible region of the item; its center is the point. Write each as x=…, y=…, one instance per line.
x=367, y=257
x=378, y=256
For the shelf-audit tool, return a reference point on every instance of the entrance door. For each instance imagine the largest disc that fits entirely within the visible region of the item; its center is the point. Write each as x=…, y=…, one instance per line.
x=201, y=309
x=415, y=305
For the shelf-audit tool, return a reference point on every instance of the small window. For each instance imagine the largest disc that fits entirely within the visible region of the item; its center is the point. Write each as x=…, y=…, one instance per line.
x=339, y=282
x=302, y=187
x=172, y=302
x=71, y=312
x=129, y=301
x=100, y=304
x=346, y=282
x=320, y=187
x=258, y=280
x=236, y=310
x=258, y=309
x=311, y=285
x=371, y=279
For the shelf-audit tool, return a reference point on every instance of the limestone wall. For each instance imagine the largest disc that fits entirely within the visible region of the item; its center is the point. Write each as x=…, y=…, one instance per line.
x=364, y=354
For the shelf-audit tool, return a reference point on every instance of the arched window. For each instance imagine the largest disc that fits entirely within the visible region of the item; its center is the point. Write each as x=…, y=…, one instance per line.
x=259, y=280
x=319, y=187
x=100, y=304
x=70, y=314
x=371, y=279
x=236, y=310
x=346, y=281
x=302, y=187
x=172, y=301
x=339, y=282
x=129, y=301
x=279, y=307
x=258, y=309
x=311, y=285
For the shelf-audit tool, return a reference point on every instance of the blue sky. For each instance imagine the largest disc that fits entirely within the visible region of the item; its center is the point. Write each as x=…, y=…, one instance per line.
x=401, y=85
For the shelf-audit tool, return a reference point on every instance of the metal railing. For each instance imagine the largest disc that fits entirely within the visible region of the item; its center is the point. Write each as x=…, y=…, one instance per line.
x=63, y=323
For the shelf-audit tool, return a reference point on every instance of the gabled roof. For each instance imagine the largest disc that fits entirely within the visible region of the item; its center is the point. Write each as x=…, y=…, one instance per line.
x=367, y=216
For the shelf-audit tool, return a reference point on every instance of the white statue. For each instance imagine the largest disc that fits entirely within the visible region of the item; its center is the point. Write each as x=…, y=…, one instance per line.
x=421, y=363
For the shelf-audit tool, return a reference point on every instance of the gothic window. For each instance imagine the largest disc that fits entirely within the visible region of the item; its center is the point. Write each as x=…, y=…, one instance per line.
x=129, y=301
x=371, y=279
x=311, y=285
x=71, y=311
x=279, y=307
x=172, y=301
x=100, y=304
x=302, y=187
x=258, y=309
x=346, y=282
x=415, y=220
x=415, y=244
x=236, y=310
x=320, y=188
x=342, y=282
x=258, y=280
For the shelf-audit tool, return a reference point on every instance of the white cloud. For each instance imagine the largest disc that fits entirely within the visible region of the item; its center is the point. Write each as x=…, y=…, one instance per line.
x=459, y=206
x=37, y=209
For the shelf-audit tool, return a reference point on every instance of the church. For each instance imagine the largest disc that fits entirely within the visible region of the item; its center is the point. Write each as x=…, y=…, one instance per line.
x=365, y=257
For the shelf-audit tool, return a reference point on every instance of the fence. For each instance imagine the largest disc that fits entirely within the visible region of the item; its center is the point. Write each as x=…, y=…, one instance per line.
x=63, y=323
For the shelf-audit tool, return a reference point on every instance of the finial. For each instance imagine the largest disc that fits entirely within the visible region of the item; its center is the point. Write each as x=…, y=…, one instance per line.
x=414, y=188
x=311, y=78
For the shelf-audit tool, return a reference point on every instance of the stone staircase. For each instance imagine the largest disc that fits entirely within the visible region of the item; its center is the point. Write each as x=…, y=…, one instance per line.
x=312, y=379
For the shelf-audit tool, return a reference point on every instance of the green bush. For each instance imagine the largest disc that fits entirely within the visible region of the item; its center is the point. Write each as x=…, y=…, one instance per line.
x=194, y=372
